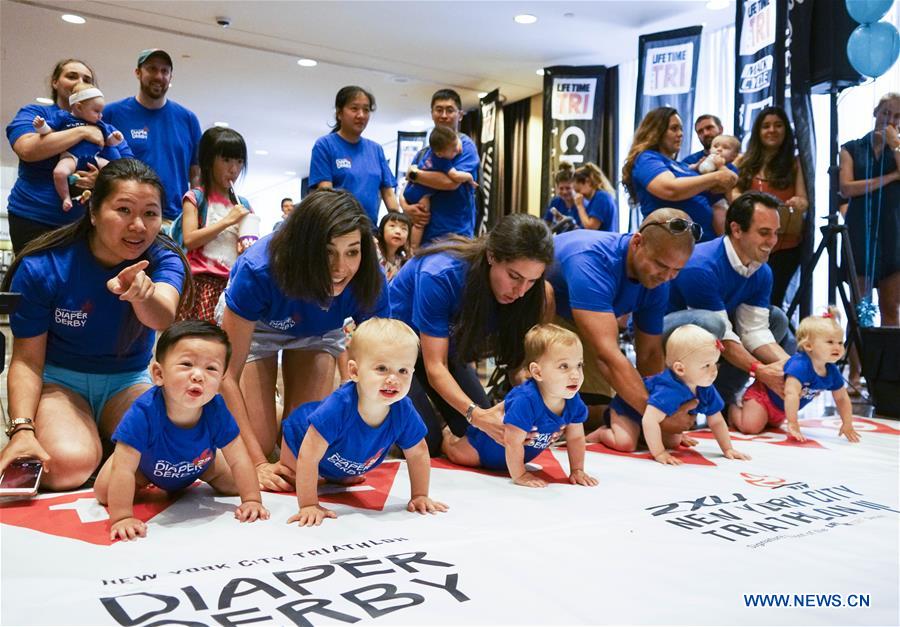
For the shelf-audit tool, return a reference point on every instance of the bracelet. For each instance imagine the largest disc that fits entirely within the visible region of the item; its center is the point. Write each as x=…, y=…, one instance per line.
x=753, y=367
x=469, y=411
x=23, y=428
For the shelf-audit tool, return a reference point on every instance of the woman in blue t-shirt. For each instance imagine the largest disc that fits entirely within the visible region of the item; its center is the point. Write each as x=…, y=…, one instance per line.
x=298, y=291
x=470, y=299
x=562, y=205
x=595, y=199
x=34, y=206
x=654, y=179
x=344, y=159
x=93, y=293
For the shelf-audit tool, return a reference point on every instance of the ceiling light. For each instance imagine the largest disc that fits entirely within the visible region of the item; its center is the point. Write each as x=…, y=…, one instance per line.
x=525, y=18
x=262, y=153
x=43, y=100
x=307, y=62
x=482, y=94
x=221, y=124
x=716, y=5
x=539, y=71
x=290, y=173
x=73, y=19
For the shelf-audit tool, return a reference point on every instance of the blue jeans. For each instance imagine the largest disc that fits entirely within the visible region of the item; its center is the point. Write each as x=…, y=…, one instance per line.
x=731, y=380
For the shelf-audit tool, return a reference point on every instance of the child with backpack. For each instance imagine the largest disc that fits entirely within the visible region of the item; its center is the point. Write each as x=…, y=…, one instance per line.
x=208, y=226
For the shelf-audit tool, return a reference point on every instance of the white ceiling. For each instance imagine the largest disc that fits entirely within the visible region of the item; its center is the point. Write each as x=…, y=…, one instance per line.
x=247, y=75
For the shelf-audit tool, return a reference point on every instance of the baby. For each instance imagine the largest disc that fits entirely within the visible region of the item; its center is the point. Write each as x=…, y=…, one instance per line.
x=351, y=431
x=820, y=343
x=691, y=357
x=722, y=153
x=170, y=434
x=538, y=409
x=445, y=145
x=86, y=103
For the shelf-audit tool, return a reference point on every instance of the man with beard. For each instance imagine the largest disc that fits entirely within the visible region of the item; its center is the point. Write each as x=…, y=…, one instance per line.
x=162, y=133
x=707, y=127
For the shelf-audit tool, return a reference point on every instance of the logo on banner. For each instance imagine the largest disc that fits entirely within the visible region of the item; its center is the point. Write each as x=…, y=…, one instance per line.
x=756, y=76
x=488, y=113
x=573, y=98
x=669, y=70
x=758, y=30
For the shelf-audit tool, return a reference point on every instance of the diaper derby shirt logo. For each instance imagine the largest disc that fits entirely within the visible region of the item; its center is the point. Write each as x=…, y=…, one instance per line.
x=76, y=318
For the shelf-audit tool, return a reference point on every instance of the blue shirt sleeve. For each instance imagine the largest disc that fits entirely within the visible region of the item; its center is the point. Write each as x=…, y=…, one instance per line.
x=467, y=160
x=648, y=165
x=412, y=427
x=387, y=177
x=700, y=288
x=246, y=294
x=649, y=317
x=576, y=411
x=518, y=407
x=711, y=402
x=833, y=378
x=224, y=428
x=329, y=417
x=196, y=134
x=134, y=428
x=602, y=207
x=590, y=287
x=320, y=162
x=33, y=314
x=166, y=267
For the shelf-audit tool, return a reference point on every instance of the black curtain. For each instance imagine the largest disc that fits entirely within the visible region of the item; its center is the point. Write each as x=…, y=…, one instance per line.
x=608, y=157
x=514, y=157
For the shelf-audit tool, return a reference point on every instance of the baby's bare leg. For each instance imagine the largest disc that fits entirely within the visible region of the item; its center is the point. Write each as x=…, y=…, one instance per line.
x=219, y=477
x=621, y=435
x=459, y=450
x=61, y=172
x=751, y=419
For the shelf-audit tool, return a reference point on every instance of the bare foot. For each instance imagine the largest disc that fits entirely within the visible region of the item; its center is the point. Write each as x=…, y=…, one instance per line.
x=688, y=441
x=595, y=436
x=67, y=204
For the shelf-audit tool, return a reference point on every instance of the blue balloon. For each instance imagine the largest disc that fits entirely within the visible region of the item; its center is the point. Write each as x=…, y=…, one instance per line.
x=867, y=11
x=873, y=48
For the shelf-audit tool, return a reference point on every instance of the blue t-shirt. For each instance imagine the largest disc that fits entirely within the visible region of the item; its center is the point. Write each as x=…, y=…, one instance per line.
x=359, y=168
x=33, y=195
x=64, y=295
x=173, y=457
x=524, y=408
x=84, y=151
x=650, y=164
x=667, y=393
x=428, y=293
x=800, y=367
x=453, y=211
x=603, y=207
x=708, y=281
x=253, y=294
x=354, y=447
x=560, y=205
x=590, y=272
x=166, y=139
x=414, y=192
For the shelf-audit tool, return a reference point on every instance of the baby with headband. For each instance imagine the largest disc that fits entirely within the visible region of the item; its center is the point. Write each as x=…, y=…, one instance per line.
x=86, y=104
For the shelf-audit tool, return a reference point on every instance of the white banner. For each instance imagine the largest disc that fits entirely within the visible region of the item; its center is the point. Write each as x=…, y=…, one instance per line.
x=802, y=534
x=669, y=70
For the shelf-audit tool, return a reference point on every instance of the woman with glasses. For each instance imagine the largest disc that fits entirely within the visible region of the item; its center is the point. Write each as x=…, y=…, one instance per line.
x=654, y=179
x=770, y=166
x=344, y=159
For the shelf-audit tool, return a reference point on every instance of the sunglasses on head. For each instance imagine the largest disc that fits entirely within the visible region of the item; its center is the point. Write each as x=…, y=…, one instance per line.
x=677, y=226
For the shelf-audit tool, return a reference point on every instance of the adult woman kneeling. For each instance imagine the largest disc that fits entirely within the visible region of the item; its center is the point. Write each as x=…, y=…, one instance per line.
x=292, y=291
x=470, y=299
x=93, y=293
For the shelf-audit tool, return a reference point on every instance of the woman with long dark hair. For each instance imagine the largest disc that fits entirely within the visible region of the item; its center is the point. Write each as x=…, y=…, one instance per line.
x=34, y=206
x=292, y=292
x=470, y=299
x=93, y=293
x=344, y=159
x=770, y=165
x=654, y=179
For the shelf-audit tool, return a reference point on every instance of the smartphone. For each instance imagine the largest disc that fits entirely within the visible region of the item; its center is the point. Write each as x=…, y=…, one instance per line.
x=21, y=478
x=232, y=196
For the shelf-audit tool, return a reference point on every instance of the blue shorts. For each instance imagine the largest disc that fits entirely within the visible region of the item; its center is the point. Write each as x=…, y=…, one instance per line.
x=491, y=455
x=95, y=388
x=625, y=410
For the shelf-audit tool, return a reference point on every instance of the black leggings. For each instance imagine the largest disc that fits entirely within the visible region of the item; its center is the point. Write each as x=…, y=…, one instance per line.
x=435, y=411
x=22, y=230
x=784, y=264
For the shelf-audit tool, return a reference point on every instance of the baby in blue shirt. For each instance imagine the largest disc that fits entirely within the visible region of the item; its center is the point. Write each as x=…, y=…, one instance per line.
x=692, y=354
x=170, y=434
x=534, y=413
x=445, y=145
x=351, y=431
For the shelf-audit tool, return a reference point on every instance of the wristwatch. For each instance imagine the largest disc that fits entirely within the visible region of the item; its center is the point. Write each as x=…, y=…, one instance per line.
x=469, y=411
x=413, y=173
x=15, y=423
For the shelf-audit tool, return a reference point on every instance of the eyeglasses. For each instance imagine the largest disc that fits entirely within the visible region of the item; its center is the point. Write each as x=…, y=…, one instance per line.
x=677, y=226
x=444, y=110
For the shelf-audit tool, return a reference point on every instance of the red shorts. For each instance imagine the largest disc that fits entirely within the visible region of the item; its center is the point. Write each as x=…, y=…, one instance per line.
x=758, y=392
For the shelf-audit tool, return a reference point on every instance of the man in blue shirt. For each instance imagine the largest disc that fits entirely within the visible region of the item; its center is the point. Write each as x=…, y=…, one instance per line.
x=725, y=288
x=160, y=132
x=598, y=277
x=707, y=127
x=452, y=207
